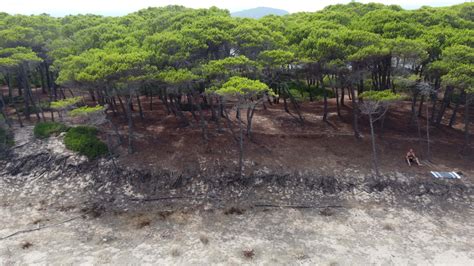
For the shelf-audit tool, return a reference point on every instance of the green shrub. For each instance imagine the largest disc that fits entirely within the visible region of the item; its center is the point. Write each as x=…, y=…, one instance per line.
x=303, y=93
x=6, y=141
x=84, y=140
x=65, y=103
x=85, y=110
x=6, y=137
x=45, y=129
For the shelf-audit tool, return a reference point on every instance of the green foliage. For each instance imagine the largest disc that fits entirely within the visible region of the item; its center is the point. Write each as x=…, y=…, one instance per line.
x=177, y=76
x=302, y=92
x=14, y=57
x=6, y=141
x=457, y=65
x=84, y=140
x=277, y=57
x=242, y=86
x=66, y=103
x=228, y=66
x=45, y=129
x=6, y=138
x=299, y=94
x=85, y=110
x=380, y=96
x=176, y=48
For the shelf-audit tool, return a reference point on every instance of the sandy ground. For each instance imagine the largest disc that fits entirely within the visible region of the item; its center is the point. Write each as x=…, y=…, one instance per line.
x=375, y=234
x=366, y=230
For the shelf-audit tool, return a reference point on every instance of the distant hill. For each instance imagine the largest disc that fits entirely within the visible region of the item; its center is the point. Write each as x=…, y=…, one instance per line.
x=259, y=12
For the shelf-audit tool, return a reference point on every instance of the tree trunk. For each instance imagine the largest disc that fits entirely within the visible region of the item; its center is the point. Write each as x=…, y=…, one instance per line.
x=9, y=85
x=355, y=114
x=18, y=114
x=374, y=150
x=130, y=123
x=61, y=90
x=48, y=77
x=428, y=151
x=202, y=121
x=115, y=129
x=342, y=96
x=444, y=104
x=295, y=106
x=337, y=103
x=216, y=117
x=418, y=127
x=325, y=93
x=140, y=107
x=29, y=94
x=151, y=99
x=413, y=107
x=26, y=99
x=456, y=107
x=164, y=99
x=466, y=124
x=122, y=105
x=177, y=109
x=5, y=115
x=213, y=108
x=420, y=107
x=42, y=78
x=41, y=109
x=285, y=105
x=241, y=142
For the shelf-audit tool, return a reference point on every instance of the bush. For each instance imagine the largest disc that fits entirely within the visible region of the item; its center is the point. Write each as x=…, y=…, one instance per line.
x=65, y=103
x=6, y=137
x=6, y=141
x=86, y=110
x=84, y=140
x=303, y=93
x=45, y=129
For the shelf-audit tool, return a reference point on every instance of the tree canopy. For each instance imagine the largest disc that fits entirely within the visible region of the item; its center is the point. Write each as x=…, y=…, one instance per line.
x=182, y=53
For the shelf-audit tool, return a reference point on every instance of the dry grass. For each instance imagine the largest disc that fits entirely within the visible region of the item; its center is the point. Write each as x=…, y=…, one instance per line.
x=175, y=252
x=327, y=212
x=143, y=222
x=93, y=211
x=301, y=256
x=66, y=208
x=388, y=227
x=26, y=244
x=39, y=220
x=234, y=210
x=165, y=214
x=248, y=253
x=204, y=239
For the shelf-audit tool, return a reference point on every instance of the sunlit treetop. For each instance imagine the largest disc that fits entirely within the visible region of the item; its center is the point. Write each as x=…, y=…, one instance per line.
x=177, y=76
x=239, y=86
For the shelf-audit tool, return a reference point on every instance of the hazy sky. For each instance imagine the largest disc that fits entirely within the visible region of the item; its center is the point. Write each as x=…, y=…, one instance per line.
x=122, y=7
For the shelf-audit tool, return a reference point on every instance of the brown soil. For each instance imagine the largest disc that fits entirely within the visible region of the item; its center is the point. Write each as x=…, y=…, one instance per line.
x=281, y=142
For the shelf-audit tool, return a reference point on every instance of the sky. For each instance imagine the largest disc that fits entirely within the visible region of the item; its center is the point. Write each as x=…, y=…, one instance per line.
x=122, y=7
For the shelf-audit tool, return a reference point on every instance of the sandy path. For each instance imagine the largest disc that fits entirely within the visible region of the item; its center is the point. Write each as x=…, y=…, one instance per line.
x=378, y=235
